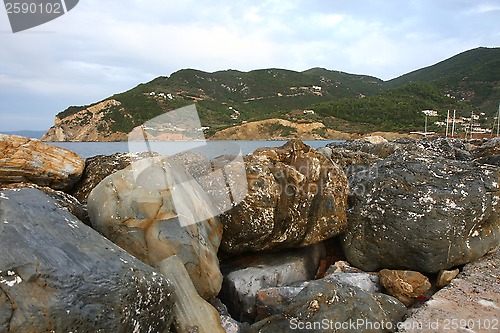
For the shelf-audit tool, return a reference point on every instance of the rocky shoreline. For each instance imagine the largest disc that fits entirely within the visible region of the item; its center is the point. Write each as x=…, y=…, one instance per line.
x=366, y=235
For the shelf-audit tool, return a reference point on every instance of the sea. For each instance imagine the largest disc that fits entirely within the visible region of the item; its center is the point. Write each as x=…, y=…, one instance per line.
x=209, y=149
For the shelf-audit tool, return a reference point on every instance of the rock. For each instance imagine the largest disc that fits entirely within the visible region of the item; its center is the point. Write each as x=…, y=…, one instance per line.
x=139, y=209
x=68, y=202
x=342, y=266
x=444, y=277
x=59, y=275
x=32, y=161
x=378, y=148
x=324, y=306
x=364, y=281
x=245, y=277
x=191, y=312
x=470, y=303
x=488, y=152
x=227, y=322
x=423, y=213
x=375, y=139
x=296, y=197
x=96, y=169
x=404, y=285
x=274, y=300
x=450, y=148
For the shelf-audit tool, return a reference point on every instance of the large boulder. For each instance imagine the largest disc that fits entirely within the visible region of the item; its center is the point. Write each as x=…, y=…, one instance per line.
x=331, y=306
x=296, y=197
x=32, y=161
x=488, y=152
x=143, y=209
x=59, y=275
x=244, y=277
x=421, y=212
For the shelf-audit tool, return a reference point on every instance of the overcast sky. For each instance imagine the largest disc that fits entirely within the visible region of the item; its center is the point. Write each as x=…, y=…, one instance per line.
x=104, y=47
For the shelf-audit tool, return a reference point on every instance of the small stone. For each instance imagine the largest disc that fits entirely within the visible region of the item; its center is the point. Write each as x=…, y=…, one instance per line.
x=404, y=285
x=444, y=277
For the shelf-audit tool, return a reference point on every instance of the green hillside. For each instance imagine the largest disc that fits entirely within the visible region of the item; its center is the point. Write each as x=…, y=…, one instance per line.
x=468, y=82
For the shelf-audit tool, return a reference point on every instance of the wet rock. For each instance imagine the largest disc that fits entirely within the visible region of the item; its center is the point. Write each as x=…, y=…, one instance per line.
x=32, y=161
x=244, y=277
x=406, y=286
x=325, y=304
x=296, y=197
x=191, y=312
x=59, y=275
x=138, y=209
x=471, y=302
x=68, y=202
x=274, y=300
x=444, y=277
x=423, y=213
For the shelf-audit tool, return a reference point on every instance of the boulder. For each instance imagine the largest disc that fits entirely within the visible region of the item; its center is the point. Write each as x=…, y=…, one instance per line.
x=470, y=303
x=296, y=197
x=421, y=212
x=406, y=286
x=59, y=275
x=153, y=211
x=379, y=148
x=450, y=148
x=364, y=281
x=32, y=161
x=244, y=277
x=331, y=306
x=67, y=201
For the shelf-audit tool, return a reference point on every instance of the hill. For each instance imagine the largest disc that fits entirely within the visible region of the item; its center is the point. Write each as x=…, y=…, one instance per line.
x=341, y=101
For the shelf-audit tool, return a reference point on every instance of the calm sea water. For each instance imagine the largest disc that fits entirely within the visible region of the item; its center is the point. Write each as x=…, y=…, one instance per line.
x=208, y=148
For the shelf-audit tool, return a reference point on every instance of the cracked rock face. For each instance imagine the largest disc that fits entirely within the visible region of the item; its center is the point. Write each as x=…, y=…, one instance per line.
x=137, y=211
x=59, y=275
x=421, y=212
x=296, y=197
x=32, y=161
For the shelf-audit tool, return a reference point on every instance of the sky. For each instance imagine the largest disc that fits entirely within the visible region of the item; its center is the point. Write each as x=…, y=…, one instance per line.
x=105, y=47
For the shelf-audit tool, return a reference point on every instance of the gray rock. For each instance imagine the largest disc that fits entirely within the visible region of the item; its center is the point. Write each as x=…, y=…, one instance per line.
x=324, y=306
x=423, y=213
x=488, y=152
x=449, y=148
x=380, y=149
x=245, y=277
x=364, y=281
x=274, y=300
x=59, y=275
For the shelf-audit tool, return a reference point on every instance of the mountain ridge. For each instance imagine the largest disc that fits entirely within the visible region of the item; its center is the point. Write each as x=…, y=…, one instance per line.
x=341, y=101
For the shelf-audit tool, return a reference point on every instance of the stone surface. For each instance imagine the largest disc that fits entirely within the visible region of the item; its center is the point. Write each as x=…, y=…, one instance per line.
x=136, y=209
x=470, y=303
x=32, y=161
x=67, y=201
x=244, y=277
x=191, y=312
x=421, y=212
x=450, y=148
x=96, y=169
x=406, y=286
x=364, y=281
x=378, y=148
x=444, y=277
x=326, y=304
x=274, y=300
x=59, y=275
x=297, y=197
x=488, y=152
